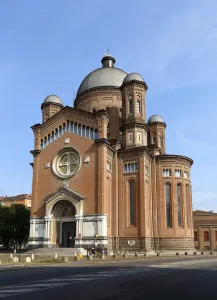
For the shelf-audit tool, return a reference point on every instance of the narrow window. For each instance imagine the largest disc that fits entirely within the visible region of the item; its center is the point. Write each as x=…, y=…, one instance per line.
x=160, y=141
x=56, y=134
x=95, y=134
x=195, y=236
x=48, y=140
x=88, y=132
x=64, y=128
x=83, y=130
x=76, y=128
x=206, y=236
x=45, y=141
x=186, y=176
x=131, y=137
x=79, y=129
x=132, y=202
x=187, y=204
x=125, y=168
x=41, y=145
x=138, y=107
x=178, y=193
x=154, y=140
x=52, y=137
x=130, y=106
x=91, y=133
x=168, y=204
x=71, y=127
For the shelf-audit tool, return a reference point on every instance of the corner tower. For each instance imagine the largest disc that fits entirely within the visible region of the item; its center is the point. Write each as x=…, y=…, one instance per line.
x=157, y=128
x=133, y=127
x=51, y=105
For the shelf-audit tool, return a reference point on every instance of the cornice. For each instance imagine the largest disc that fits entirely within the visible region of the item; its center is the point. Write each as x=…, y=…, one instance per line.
x=157, y=123
x=164, y=157
x=135, y=151
x=51, y=103
x=134, y=81
x=103, y=142
x=35, y=152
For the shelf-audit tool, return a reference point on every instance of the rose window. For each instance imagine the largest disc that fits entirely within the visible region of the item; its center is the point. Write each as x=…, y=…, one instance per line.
x=66, y=164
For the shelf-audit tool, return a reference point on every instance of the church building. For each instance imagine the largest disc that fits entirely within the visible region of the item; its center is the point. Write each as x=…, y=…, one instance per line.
x=101, y=174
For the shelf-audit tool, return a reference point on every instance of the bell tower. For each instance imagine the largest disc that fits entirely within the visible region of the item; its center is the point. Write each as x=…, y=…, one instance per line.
x=133, y=127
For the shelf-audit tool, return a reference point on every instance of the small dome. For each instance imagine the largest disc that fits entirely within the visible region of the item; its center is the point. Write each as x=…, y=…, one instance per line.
x=53, y=99
x=133, y=76
x=155, y=118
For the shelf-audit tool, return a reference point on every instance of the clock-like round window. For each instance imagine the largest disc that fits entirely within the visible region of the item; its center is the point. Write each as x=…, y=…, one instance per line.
x=67, y=163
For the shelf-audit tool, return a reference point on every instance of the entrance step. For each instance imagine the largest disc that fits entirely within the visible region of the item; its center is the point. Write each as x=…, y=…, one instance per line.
x=59, y=251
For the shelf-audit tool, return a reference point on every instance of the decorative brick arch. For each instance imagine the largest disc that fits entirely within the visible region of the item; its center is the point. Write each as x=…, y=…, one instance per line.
x=64, y=193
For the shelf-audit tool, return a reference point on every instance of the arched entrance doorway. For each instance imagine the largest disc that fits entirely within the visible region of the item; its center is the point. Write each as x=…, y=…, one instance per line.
x=64, y=214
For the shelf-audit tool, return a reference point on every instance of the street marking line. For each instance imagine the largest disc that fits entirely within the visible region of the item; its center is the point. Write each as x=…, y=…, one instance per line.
x=69, y=280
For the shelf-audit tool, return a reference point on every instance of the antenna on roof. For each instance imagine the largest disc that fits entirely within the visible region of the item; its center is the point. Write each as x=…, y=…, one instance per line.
x=73, y=97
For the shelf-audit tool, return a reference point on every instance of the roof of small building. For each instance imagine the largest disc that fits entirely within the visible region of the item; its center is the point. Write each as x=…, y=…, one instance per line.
x=155, y=118
x=53, y=99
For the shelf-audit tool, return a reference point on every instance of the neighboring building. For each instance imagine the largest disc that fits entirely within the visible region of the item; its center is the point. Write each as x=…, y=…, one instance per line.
x=101, y=174
x=24, y=199
x=205, y=229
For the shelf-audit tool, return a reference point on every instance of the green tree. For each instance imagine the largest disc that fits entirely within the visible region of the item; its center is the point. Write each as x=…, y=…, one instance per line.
x=14, y=225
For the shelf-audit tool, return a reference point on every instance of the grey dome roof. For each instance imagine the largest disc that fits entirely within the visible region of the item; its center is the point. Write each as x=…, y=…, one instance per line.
x=53, y=99
x=102, y=77
x=133, y=76
x=155, y=118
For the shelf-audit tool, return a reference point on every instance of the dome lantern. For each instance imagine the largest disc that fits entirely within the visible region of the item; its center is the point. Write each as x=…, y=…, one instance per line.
x=108, y=60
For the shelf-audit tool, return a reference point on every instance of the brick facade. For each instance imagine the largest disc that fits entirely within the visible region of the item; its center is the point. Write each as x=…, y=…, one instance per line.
x=118, y=188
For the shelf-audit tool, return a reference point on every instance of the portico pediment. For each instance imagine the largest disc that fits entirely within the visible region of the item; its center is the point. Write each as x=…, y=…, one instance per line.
x=64, y=193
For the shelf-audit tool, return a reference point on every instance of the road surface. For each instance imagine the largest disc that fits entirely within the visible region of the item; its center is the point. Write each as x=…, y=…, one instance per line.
x=162, y=278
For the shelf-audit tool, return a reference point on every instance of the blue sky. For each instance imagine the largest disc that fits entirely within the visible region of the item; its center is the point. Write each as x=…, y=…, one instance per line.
x=47, y=47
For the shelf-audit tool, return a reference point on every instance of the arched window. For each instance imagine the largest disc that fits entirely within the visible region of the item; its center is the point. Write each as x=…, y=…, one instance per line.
x=138, y=107
x=95, y=134
x=79, y=129
x=88, y=132
x=42, y=144
x=130, y=106
x=178, y=195
x=91, y=133
x=187, y=204
x=168, y=204
x=71, y=127
x=56, y=134
x=83, y=130
x=132, y=202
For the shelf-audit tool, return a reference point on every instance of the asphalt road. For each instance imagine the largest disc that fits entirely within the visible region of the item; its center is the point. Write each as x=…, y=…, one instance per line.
x=162, y=278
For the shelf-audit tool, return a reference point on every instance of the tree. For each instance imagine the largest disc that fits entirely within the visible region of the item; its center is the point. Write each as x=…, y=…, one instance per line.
x=14, y=225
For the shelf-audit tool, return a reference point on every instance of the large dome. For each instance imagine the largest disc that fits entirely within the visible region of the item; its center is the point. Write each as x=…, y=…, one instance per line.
x=105, y=76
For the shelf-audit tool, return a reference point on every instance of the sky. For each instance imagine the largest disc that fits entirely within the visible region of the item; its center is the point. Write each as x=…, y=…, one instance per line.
x=48, y=47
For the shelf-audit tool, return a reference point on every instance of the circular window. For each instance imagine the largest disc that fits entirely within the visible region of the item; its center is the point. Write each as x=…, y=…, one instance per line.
x=67, y=163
